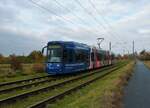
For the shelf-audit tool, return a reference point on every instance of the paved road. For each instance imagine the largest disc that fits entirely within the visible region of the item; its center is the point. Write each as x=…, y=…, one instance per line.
x=137, y=93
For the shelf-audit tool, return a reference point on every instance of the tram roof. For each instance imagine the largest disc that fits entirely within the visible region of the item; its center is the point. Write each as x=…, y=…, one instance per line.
x=69, y=44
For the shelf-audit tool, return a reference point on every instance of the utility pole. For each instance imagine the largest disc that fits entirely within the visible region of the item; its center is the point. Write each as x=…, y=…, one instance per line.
x=110, y=52
x=133, y=49
x=110, y=47
x=99, y=41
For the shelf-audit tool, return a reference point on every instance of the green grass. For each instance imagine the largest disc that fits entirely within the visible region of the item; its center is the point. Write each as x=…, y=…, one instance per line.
x=21, y=77
x=46, y=84
x=147, y=63
x=32, y=88
x=6, y=74
x=33, y=99
x=24, y=83
x=96, y=95
x=86, y=98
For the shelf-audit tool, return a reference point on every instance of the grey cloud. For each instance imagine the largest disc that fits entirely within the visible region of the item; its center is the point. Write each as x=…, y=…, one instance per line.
x=14, y=43
x=7, y=15
x=34, y=26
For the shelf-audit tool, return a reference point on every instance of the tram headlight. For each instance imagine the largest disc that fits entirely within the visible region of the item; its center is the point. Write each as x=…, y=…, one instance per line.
x=58, y=65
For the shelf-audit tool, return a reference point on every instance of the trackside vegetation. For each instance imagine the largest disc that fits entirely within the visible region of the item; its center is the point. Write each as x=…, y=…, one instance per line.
x=8, y=75
x=104, y=93
x=147, y=63
x=145, y=56
x=42, y=95
x=19, y=67
x=14, y=67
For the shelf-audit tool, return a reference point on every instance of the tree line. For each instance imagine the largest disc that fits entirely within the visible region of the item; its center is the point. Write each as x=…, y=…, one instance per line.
x=37, y=57
x=33, y=57
x=144, y=55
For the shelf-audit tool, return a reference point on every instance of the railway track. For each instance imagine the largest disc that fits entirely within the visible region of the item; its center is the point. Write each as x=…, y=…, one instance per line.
x=54, y=98
x=25, y=84
x=23, y=81
x=13, y=99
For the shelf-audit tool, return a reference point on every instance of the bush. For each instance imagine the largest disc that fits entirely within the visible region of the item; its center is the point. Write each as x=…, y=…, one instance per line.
x=38, y=67
x=36, y=56
x=11, y=74
x=28, y=69
x=15, y=63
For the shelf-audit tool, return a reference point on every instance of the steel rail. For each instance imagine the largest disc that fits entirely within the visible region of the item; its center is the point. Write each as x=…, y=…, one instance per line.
x=43, y=103
x=30, y=79
x=21, y=81
x=12, y=99
x=26, y=86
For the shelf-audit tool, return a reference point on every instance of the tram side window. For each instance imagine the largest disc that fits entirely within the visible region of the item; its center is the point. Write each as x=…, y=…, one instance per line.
x=105, y=56
x=92, y=56
x=81, y=56
x=85, y=57
x=112, y=56
x=65, y=56
x=98, y=56
x=68, y=56
x=78, y=56
x=101, y=57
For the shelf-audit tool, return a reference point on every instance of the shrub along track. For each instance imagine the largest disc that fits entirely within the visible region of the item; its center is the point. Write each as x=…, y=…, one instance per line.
x=28, y=83
x=74, y=84
x=147, y=64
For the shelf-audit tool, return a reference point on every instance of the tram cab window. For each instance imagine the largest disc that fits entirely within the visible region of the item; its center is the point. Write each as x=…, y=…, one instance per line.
x=54, y=54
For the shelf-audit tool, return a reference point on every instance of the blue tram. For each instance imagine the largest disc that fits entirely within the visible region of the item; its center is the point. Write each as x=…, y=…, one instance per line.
x=67, y=57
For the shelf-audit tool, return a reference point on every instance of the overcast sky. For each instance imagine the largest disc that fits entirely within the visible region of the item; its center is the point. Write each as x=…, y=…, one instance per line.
x=25, y=26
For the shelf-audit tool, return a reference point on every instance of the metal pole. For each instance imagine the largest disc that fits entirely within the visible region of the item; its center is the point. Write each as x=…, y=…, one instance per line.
x=110, y=46
x=133, y=48
x=110, y=53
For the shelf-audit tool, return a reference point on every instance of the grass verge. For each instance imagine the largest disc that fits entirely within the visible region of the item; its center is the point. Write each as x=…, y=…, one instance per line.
x=104, y=93
x=21, y=77
x=31, y=100
x=147, y=63
x=28, y=71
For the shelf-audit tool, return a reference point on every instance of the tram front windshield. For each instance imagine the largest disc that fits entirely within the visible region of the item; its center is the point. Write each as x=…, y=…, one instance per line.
x=54, y=53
